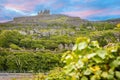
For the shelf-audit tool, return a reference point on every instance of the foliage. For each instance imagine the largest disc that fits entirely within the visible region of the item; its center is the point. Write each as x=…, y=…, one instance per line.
x=21, y=62
x=105, y=37
x=26, y=42
x=14, y=46
x=8, y=37
x=28, y=61
x=47, y=61
x=103, y=26
x=118, y=25
x=55, y=74
x=89, y=61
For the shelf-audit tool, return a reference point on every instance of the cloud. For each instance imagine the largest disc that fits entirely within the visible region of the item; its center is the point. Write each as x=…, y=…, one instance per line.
x=94, y=14
x=87, y=9
x=15, y=8
x=107, y=14
x=83, y=14
x=113, y=13
x=7, y=14
x=3, y=20
x=25, y=5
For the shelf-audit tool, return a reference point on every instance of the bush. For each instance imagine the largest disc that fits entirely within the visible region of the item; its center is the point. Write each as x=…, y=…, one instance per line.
x=8, y=37
x=14, y=46
x=105, y=37
x=89, y=61
x=47, y=61
x=20, y=62
x=55, y=74
x=28, y=61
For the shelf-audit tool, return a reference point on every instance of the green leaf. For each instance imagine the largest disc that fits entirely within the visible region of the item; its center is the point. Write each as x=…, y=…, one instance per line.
x=97, y=59
x=74, y=47
x=91, y=55
x=64, y=55
x=111, y=71
x=117, y=74
x=84, y=78
x=111, y=56
x=79, y=64
x=82, y=39
x=112, y=48
x=101, y=53
x=115, y=63
x=82, y=45
x=95, y=44
x=93, y=77
x=110, y=77
x=87, y=72
x=104, y=74
x=69, y=68
x=118, y=58
x=91, y=64
x=98, y=72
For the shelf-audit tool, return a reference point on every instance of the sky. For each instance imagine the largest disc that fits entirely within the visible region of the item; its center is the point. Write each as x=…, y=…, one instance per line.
x=94, y=10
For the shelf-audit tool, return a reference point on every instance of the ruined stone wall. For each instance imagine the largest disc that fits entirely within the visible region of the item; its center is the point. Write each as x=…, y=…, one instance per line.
x=37, y=18
x=44, y=12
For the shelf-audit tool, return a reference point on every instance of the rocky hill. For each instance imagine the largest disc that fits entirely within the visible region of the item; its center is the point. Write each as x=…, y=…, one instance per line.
x=44, y=18
x=59, y=30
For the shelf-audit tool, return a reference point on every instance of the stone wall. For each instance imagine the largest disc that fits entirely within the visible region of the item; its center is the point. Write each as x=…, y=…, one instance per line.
x=44, y=12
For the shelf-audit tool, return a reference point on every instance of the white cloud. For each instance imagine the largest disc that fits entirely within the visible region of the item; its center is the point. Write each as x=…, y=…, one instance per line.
x=13, y=9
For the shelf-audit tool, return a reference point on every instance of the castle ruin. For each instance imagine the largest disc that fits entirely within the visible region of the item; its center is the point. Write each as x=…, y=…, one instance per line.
x=44, y=12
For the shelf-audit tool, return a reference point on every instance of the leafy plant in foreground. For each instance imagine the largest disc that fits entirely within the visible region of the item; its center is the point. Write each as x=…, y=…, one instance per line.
x=89, y=61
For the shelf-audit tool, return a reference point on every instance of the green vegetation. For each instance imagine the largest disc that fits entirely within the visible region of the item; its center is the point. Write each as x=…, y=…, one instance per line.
x=8, y=37
x=38, y=48
x=28, y=61
x=88, y=61
x=118, y=25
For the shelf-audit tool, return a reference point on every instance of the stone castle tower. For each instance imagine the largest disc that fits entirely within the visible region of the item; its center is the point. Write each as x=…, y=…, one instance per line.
x=44, y=12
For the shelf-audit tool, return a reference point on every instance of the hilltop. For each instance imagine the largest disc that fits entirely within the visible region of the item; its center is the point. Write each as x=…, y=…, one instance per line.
x=44, y=18
x=46, y=28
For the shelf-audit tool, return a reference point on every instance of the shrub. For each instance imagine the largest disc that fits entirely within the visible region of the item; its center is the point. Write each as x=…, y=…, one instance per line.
x=55, y=74
x=28, y=61
x=8, y=37
x=46, y=61
x=14, y=46
x=89, y=61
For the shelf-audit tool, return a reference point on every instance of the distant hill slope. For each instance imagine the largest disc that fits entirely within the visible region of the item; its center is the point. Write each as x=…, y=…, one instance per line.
x=117, y=20
x=58, y=32
x=44, y=20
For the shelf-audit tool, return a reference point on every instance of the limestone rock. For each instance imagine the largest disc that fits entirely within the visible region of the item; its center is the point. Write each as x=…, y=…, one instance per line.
x=60, y=46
